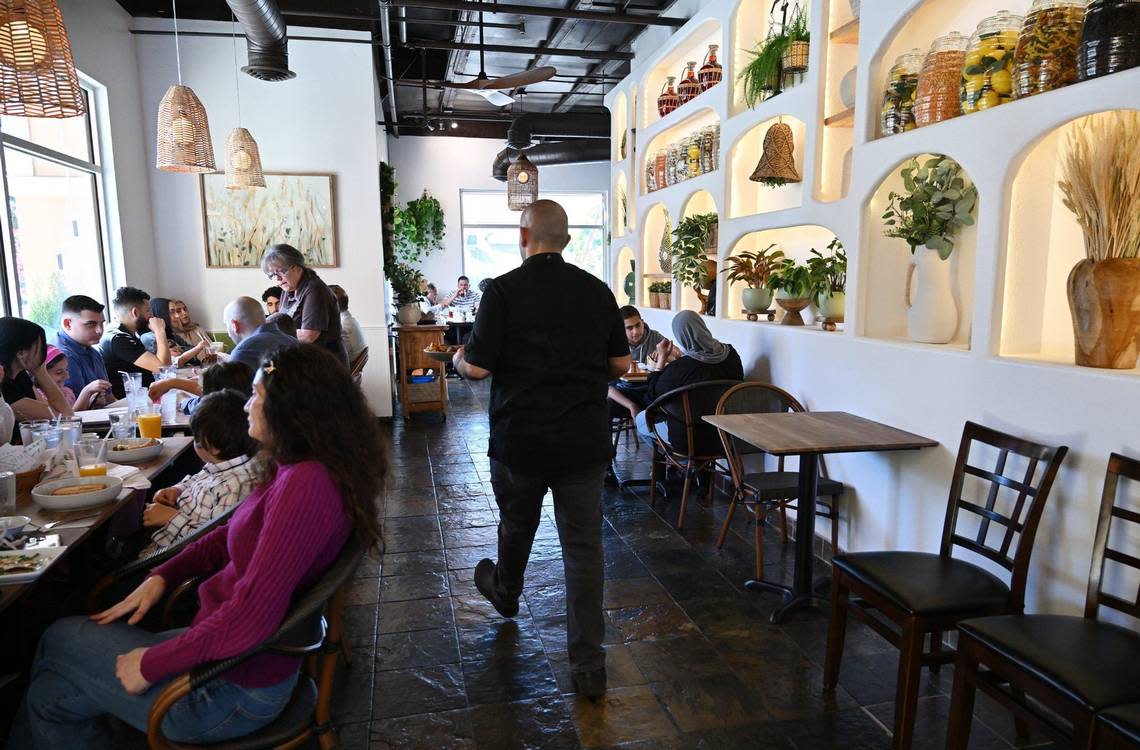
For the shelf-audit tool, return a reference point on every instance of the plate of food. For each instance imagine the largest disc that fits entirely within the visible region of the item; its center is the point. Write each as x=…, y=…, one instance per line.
x=21, y=566
x=74, y=493
x=132, y=450
x=441, y=352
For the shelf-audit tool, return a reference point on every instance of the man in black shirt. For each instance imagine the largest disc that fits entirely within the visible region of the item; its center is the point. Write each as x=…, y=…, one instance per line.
x=121, y=347
x=549, y=423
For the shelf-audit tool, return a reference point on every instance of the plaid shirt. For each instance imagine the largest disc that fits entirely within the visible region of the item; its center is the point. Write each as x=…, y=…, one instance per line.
x=205, y=496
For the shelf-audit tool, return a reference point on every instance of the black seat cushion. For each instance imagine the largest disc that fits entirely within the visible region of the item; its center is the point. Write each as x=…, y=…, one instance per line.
x=922, y=583
x=782, y=485
x=294, y=719
x=1091, y=662
x=1124, y=719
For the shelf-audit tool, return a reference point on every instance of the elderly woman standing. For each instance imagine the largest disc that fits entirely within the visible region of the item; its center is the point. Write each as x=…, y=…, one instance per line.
x=308, y=300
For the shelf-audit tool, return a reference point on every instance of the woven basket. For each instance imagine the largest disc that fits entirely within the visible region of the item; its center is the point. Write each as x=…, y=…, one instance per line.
x=184, y=143
x=418, y=393
x=26, y=480
x=37, y=74
x=243, y=161
x=796, y=57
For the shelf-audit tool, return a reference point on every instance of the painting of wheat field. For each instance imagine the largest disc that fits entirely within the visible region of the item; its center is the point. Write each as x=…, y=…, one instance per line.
x=297, y=209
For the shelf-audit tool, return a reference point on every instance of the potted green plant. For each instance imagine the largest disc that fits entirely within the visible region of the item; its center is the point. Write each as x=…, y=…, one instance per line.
x=792, y=284
x=829, y=281
x=753, y=268
x=660, y=295
x=781, y=52
x=694, y=239
x=419, y=229
x=406, y=281
x=795, y=56
x=936, y=203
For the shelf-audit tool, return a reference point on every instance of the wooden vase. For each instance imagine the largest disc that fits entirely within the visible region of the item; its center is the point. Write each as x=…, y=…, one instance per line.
x=793, y=306
x=1104, y=298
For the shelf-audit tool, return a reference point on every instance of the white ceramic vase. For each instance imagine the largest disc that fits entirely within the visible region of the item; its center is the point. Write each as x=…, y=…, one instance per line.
x=757, y=300
x=832, y=307
x=410, y=313
x=847, y=88
x=932, y=313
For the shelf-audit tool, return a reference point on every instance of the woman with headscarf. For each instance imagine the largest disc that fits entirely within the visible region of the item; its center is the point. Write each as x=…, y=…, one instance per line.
x=704, y=358
x=182, y=352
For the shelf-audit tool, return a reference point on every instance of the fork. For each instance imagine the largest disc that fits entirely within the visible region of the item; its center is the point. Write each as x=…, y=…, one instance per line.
x=53, y=524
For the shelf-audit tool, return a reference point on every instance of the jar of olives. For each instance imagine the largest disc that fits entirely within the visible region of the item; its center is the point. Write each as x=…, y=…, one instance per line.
x=987, y=72
x=1046, y=54
x=936, y=97
x=897, y=114
x=1110, y=39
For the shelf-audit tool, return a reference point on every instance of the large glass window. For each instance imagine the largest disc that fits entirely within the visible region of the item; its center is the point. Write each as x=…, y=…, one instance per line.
x=491, y=232
x=54, y=226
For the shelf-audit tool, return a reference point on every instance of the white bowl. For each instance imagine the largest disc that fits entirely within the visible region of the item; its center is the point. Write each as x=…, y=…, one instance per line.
x=41, y=493
x=132, y=455
x=14, y=524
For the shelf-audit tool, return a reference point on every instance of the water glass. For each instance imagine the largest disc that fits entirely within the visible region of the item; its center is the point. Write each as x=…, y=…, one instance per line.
x=167, y=372
x=70, y=428
x=122, y=424
x=47, y=433
x=29, y=426
x=132, y=381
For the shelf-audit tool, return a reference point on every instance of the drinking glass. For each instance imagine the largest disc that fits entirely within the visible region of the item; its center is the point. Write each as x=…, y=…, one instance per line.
x=150, y=421
x=91, y=455
x=28, y=427
x=69, y=431
x=122, y=425
x=132, y=381
x=167, y=372
x=47, y=433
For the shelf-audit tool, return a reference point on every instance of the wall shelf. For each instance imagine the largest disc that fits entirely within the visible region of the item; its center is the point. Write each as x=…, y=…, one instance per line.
x=848, y=33
x=844, y=119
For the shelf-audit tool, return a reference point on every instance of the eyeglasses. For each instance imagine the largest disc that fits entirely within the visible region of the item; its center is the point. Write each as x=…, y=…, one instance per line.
x=278, y=274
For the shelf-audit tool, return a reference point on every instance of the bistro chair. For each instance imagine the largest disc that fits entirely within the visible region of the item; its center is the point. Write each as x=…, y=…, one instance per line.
x=1073, y=666
x=905, y=596
x=312, y=629
x=764, y=491
x=356, y=370
x=700, y=449
x=1118, y=728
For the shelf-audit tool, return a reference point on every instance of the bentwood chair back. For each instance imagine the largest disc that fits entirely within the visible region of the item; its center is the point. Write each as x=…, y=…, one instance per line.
x=356, y=370
x=1076, y=667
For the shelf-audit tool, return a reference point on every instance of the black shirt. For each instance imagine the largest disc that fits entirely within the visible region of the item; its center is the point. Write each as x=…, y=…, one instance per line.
x=686, y=371
x=313, y=306
x=21, y=386
x=121, y=349
x=547, y=331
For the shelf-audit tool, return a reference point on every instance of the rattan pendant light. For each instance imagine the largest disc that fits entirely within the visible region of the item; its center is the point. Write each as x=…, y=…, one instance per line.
x=37, y=75
x=243, y=160
x=777, y=164
x=184, y=143
x=522, y=183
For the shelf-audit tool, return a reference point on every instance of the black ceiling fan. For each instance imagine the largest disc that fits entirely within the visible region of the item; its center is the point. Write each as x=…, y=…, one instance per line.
x=491, y=88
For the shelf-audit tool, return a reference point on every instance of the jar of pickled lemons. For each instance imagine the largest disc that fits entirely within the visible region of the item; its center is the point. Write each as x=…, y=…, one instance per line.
x=1046, y=54
x=987, y=72
x=897, y=114
x=936, y=98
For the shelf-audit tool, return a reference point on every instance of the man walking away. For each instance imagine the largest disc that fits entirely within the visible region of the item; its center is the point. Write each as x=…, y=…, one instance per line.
x=549, y=423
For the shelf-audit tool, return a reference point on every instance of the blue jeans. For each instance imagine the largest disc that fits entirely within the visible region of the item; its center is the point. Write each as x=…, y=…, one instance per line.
x=643, y=427
x=74, y=690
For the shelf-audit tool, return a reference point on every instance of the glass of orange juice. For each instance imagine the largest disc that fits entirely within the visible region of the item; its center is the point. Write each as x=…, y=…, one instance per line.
x=150, y=421
x=91, y=455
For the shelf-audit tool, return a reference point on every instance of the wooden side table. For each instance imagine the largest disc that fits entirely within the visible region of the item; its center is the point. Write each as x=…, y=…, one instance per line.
x=417, y=397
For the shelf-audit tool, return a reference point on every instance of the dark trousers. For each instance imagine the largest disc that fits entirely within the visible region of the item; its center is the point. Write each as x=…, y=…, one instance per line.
x=578, y=513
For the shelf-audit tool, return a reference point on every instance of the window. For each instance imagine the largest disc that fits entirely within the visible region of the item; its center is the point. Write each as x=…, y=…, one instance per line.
x=491, y=232
x=54, y=223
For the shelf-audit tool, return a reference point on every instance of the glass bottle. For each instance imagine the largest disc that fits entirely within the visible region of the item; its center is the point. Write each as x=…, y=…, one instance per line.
x=936, y=97
x=660, y=170
x=1046, y=55
x=708, y=164
x=689, y=87
x=650, y=175
x=987, y=71
x=711, y=72
x=667, y=100
x=671, y=168
x=897, y=114
x=716, y=146
x=681, y=162
x=694, y=154
x=1110, y=38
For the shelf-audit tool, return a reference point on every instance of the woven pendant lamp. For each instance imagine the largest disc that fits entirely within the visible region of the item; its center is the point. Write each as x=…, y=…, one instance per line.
x=184, y=143
x=37, y=75
x=777, y=164
x=522, y=184
x=243, y=159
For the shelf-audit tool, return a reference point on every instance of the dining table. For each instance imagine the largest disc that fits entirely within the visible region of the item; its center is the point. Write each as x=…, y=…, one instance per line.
x=99, y=420
x=810, y=435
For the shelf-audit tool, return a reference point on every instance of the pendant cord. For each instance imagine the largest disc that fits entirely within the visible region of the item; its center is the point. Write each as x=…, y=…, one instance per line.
x=177, y=51
x=237, y=78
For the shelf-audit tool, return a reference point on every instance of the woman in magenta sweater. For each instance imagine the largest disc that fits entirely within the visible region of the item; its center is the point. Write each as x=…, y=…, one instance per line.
x=324, y=465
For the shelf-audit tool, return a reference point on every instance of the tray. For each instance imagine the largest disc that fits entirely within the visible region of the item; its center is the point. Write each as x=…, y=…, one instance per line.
x=48, y=554
x=439, y=356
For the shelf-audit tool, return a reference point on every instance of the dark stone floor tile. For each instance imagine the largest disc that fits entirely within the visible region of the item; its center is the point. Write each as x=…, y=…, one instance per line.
x=462, y=582
x=545, y=722
x=445, y=730
x=505, y=679
x=545, y=550
x=416, y=648
x=353, y=694
x=843, y=730
x=470, y=537
x=704, y=703
x=621, y=670
x=684, y=657
x=404, y=692
x=412, y=541
x=468, y=520
x=413, y=586
x=699, y=583
x=632, y=592
x=792, y=689
x=766, y=735
x=412, y=563
x=651, y=622
x=363, y=591
x=624, y=565
x=502, y=639
x=418, y=614
x=544, y=573
x=469, y=557
x=464, y=504
x=360, y=622
x=552, y=631
x=406, y=508
x=871, y=678
x=624, y=715
x=354, y=736
x=546, y=601
x=931, y=723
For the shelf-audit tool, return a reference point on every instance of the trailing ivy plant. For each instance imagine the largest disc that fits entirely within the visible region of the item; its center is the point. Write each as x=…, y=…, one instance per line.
x=791, y=278
x=828, y=272
x=937, y=202
x=419, y=229
x=688, y=251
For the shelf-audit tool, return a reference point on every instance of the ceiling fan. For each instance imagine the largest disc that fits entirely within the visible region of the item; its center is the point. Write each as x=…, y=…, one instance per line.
x=491, y=88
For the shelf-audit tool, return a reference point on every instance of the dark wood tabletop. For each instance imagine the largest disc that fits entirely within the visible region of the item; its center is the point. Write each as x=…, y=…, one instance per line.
x=819, y=432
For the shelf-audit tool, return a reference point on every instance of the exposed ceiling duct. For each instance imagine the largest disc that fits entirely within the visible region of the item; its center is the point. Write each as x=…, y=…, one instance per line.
x=525, y=127
x=558, y=152
x=267, y=45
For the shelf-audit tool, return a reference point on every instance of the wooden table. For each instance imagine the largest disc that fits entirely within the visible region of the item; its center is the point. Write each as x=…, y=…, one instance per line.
x=97, y=420
x=810, y=435
x=412, y=340
x=87, y=520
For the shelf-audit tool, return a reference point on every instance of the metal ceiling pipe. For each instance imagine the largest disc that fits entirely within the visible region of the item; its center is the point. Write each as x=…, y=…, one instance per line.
x=584, y=54
x=267, y=46
x=549, y=154
x=389, y=68
x=536, y=10
x=520, y=26
x=525, y=127
x=400, y=13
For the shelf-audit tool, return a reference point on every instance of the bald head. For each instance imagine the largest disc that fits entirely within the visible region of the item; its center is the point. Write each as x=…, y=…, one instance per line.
x=243, y=316
x=543, y=228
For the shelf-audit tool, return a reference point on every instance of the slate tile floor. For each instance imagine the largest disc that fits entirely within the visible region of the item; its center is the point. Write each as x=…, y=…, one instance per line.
x=692, y=660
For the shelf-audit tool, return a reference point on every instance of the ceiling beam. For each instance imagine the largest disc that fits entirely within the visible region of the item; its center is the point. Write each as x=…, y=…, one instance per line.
x=534, y=10
x=519, y=27
x=580, y=88
x=585, y=54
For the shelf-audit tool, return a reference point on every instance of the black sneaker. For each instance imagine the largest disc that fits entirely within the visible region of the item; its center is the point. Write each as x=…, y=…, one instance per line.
x=590, y=684
x=485, y=582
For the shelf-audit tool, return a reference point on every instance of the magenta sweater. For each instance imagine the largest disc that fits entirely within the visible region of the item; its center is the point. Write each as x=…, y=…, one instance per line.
x=278, y=541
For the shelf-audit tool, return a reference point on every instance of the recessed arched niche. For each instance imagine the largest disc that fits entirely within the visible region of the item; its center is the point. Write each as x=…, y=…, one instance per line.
x=1044, y=243
x=700, y=203
x=794, y=242
x=886, y=261
x=621, y=205
x=750, y=27
x=692, y=48
x=620, y=121
x=678, y=134
x=625, y=276
x=655, y=241
x=747, y=197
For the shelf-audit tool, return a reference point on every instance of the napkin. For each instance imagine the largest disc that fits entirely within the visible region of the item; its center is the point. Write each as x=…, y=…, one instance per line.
x=133, y=479
x=21, y=458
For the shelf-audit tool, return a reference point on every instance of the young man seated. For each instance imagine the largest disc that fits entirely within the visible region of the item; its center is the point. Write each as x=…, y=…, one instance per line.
x=222, y=441
x=629, y=398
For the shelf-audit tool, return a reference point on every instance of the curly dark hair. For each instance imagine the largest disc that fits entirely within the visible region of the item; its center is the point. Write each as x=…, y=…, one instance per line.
x=315, y=412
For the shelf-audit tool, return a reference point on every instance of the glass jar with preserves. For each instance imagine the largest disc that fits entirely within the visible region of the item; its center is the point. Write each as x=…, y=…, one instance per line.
x=667, y=100
x=650, y=175
x=680, y=162
x=1046, y=54
x=897, y=114
x=987, y=72
x=936, y=96
x=671, y=167
x=660, y=170
x=707, y=163
x=711, y=72
x=689, y=87
x=1110, y=38
x=716, y=145
x=694, y=154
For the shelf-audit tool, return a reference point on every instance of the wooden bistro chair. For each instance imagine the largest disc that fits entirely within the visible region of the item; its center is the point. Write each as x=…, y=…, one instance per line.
x=905, y=596
x=701, y=448
x=764, y=491
x=356, y=369
x=313, y=629
x=1073, y=666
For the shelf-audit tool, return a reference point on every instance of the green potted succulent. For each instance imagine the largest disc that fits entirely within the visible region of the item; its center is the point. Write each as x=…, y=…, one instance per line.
x=761, y=77
x=829, y=281
x=694, y=239
x=792, y=284
x=753, y=268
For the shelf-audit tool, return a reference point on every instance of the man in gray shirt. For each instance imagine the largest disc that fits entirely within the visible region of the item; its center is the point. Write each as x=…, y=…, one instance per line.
x=246, y=325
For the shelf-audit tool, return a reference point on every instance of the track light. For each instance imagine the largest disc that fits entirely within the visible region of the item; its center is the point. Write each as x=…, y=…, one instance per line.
x=431, y=126
x=454, y=124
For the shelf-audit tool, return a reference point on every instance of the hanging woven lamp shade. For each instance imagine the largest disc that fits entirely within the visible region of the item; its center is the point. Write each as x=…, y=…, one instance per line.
x=37, y=75
x=184, y=143
x=778, y=162
x=522, y=184
x=243, y=161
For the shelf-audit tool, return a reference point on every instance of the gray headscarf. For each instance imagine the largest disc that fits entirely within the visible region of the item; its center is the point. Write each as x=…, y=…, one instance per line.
x=692, y=335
